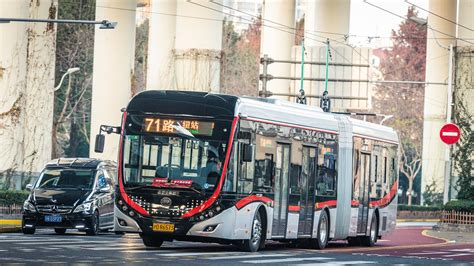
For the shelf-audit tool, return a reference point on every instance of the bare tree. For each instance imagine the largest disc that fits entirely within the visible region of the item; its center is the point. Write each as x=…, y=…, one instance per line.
x=410, y=166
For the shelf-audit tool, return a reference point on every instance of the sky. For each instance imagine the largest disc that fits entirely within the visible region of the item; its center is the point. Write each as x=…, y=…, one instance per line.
x=369, y=20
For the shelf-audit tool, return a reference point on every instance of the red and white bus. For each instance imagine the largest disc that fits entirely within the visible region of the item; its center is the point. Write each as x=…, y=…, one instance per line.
x=218, y=168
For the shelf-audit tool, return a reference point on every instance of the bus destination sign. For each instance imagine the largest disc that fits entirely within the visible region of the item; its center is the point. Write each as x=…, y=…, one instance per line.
x=164, y=125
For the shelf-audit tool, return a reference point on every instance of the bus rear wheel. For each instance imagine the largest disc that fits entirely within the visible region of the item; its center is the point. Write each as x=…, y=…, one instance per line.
x=322, y=237
x=256, y=236
x=151, y=241
x=371, y=239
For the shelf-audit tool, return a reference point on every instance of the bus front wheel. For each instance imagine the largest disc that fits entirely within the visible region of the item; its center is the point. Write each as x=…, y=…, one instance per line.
x=151, y=241
x=256, y=237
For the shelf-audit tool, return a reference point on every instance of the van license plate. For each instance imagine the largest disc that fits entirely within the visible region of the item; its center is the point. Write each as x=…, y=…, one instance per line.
x=53, y=218
x=157, y=227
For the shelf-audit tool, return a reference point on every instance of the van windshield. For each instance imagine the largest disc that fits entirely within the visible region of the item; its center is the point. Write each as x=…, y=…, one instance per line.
x=66, y=178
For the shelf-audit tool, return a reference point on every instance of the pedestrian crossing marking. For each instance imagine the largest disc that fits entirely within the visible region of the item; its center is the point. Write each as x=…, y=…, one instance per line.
x=249, y=256
x=285, y=260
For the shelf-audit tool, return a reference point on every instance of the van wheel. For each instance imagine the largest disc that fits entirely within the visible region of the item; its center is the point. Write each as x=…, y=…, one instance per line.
x=255, y=241
x=371, y=239
x=28, y=230
x=60, y=231
x=94, y=228
x=151, y=241
x=322, y=237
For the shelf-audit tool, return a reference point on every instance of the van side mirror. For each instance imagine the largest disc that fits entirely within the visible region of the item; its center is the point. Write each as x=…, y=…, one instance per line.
x=99, y=143
x=29, y=187
x=247, y=152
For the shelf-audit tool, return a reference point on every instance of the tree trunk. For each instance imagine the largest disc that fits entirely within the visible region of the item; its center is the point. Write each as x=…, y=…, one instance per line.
x=26, y=86
x=410, y=189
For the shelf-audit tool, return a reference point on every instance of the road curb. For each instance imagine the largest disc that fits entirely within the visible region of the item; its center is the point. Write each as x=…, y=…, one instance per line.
x=10, y=225
x=425, y=233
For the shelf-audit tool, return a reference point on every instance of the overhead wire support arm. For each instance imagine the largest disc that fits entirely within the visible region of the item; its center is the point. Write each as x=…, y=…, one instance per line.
x=104, y=24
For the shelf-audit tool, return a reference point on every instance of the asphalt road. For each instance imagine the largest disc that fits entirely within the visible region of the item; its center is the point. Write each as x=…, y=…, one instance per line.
x=45, y=247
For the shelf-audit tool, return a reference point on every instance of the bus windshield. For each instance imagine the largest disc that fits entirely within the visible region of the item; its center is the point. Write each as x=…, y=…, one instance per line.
x=179, y=156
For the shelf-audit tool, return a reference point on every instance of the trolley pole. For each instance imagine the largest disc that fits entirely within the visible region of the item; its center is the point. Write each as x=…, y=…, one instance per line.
x=325, y=102
x=302, y=98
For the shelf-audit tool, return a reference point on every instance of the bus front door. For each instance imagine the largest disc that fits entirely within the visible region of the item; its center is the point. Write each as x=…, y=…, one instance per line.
x=307, y=192
x=280, y=207
x=364, y=193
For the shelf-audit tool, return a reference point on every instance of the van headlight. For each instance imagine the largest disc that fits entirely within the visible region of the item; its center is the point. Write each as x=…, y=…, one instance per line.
x=84, y=207
x=28, y=206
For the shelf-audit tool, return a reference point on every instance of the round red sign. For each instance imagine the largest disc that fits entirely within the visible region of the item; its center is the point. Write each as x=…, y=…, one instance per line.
x=450, y=133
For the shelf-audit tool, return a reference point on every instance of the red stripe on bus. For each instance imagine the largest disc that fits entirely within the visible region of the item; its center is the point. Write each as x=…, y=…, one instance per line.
x=293, y=208
x=329, y=203
x=385, y=200
x=124, y=195
x=217, y=191
x=249, y=199
x=354, y=203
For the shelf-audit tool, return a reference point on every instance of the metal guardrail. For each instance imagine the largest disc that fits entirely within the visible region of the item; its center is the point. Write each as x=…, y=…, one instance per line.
x=10, y=209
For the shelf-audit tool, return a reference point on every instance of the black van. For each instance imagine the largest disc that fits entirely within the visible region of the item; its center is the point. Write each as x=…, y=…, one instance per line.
x=72, y=193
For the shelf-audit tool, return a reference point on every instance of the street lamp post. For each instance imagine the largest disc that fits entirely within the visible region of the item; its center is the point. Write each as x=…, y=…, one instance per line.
x=68, y=72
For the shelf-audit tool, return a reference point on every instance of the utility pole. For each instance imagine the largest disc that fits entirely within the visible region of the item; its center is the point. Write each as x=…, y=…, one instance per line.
x=447, y=154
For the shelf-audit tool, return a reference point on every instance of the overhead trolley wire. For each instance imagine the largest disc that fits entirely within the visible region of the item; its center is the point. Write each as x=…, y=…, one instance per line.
x=286, y=26
x=402, y=17
x=439, y=16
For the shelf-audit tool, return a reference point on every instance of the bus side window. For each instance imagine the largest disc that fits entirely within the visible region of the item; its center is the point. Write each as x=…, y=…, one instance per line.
x=263, y=174
x=327, y=170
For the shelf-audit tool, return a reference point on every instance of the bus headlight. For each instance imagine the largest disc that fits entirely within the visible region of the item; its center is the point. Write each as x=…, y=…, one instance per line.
x=84, y=207
x=28, y=206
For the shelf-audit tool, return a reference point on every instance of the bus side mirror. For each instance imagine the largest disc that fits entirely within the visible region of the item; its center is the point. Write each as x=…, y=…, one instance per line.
x=247, y=153
x=99, y=143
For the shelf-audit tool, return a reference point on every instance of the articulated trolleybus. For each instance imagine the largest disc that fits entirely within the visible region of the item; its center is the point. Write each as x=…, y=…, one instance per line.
x=218, y=168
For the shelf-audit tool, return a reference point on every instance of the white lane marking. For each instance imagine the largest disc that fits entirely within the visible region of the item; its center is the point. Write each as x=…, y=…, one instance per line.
x=284, y=260
x=248, y=256
x=145, y=251
x=450, y=134
x=462, y=250
x=62, y=243
x=458, y=255
x=110, y=248
x=429, y=253
x=338, y=263
x=200, y=254
x=2, y=250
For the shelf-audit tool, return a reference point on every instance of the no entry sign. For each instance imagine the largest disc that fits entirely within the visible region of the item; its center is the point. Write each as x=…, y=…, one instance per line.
x=450, y=133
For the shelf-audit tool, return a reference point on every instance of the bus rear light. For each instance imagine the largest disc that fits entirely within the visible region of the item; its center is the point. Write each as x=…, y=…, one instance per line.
x=210, y=213
x=124, y=208
x=131, y=213
x=201, y=217
x=120, y=202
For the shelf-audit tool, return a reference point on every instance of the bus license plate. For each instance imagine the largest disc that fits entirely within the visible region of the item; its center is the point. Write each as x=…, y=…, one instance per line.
x=53, y=218
x=163, y=227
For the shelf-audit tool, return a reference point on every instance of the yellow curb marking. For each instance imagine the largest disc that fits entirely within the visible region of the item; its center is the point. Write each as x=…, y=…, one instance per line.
x=12, y=222
x=425, y=233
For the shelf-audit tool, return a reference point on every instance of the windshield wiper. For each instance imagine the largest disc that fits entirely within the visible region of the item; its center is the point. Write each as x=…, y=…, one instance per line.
x=183, y=130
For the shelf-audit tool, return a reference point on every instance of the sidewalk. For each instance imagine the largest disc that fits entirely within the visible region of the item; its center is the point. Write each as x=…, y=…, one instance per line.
x=454, y=237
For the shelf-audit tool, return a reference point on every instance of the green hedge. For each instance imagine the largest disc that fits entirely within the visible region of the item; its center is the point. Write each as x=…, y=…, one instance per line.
x=11, y=197
x=460, y=205
x=402, y=207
